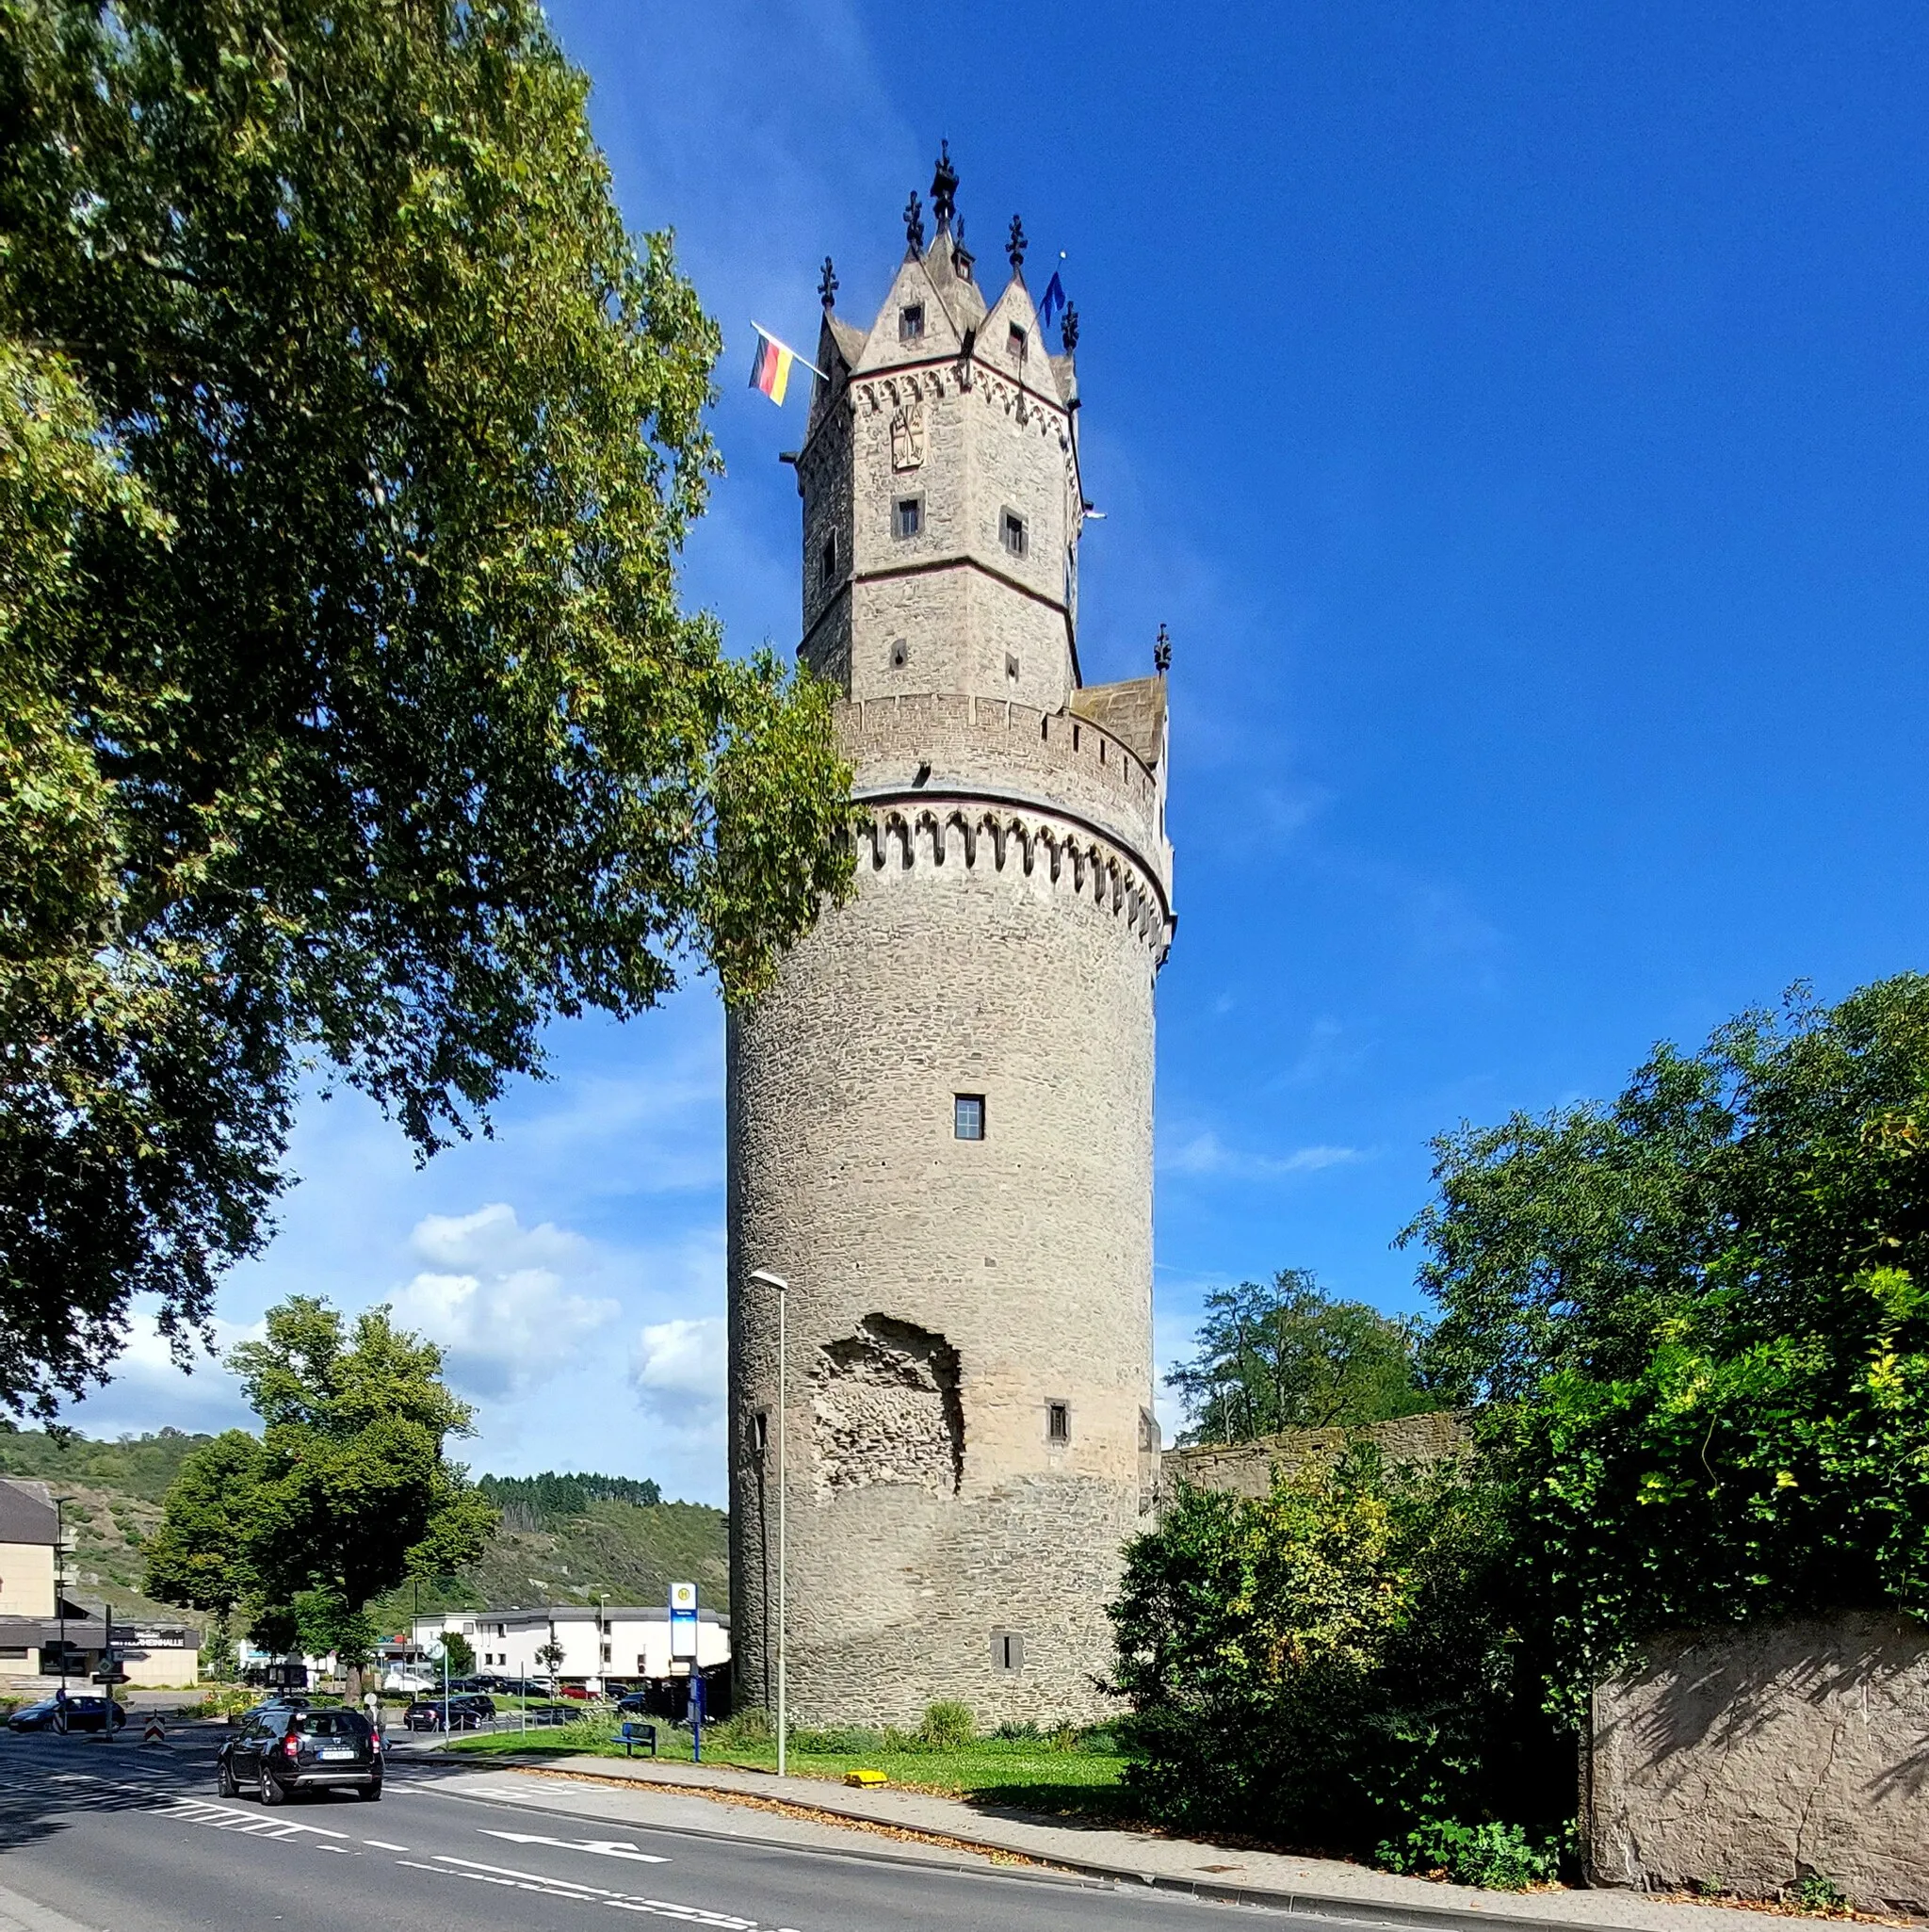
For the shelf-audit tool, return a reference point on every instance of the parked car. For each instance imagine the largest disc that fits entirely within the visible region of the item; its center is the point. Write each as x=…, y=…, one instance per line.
x=464, y=1713
x=635, y=1704
x=582, y=1692
x=279, y=1749
x=549, y=1713
x=83, y=1714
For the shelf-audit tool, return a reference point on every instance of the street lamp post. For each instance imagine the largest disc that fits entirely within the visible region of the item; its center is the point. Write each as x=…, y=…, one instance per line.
x=765, y=1278
x=60, y=1585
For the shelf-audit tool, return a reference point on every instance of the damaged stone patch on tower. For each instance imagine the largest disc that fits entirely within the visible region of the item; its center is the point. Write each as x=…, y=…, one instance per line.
x=885, y=1410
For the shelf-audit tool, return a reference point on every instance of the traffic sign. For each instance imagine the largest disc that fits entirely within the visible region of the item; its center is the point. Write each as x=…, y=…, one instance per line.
x=111, y=1674
x=683, y=1620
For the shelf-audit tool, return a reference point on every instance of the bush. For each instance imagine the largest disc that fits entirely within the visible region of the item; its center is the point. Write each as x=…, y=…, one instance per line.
x=1498, y=1857
x=1333, y=1664
x=947, y=1727
x=843, y=1741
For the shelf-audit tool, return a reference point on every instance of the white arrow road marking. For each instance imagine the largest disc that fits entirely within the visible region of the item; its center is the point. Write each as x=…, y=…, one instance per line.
x=600, y=1847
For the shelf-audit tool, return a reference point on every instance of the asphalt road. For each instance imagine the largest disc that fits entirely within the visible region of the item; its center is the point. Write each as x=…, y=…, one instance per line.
x=124, y=1840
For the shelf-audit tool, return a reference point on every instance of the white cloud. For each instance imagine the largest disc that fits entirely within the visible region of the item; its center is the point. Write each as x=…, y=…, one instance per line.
x=1205, y=1154
x=500, y=1300
x=677, y=1372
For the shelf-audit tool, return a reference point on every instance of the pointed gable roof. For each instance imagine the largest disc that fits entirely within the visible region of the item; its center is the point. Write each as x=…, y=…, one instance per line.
x=1014, y=308
x=941, y=336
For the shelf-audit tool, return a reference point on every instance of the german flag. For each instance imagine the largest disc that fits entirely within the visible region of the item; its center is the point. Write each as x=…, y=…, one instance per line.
x=771, y=372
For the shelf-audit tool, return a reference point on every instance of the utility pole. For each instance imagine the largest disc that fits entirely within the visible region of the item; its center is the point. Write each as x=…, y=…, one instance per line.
x=764, y=1277
x=60, y=1585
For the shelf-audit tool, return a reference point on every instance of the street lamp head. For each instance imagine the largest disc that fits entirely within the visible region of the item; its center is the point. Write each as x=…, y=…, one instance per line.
x=766, y=1280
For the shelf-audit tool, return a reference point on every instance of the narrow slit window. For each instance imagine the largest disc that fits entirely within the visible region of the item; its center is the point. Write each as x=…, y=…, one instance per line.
x=1058, y=1424
x=901, y=654
x=1011, y=667
x=967, y=1117
x=911, y=322
x=760, y=1433
x=908, y=518
x=1007, y=1650
x=1011, y=532
x=830, y=559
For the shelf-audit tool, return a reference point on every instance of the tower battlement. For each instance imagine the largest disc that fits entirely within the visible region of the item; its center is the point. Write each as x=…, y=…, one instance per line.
x=940, y=1116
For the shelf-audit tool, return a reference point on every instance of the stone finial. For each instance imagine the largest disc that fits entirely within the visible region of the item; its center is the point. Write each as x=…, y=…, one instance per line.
x=962, y=257
x=1068, y=328
x=1014, y=245
x=1161, y=652
x=944, y=189
x=913, y=223
x=827, y=285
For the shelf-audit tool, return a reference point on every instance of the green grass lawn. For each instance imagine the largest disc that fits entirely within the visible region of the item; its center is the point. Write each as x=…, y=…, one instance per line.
x=1025, y=1772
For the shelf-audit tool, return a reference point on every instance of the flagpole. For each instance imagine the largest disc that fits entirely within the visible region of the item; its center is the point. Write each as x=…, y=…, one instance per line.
x=802, y=360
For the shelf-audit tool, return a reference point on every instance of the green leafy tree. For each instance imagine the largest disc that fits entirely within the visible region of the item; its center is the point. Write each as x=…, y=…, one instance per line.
x=346, y=710
x=1699, y=1317
x=1285, y=1355
x=198, y=1556
x=460, y=1652
x=1334, y=1663
x=348, y=1490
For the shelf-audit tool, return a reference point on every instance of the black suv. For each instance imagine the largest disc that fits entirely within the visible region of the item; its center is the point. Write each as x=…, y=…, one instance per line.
x=465, y=1713
x=279, y=1749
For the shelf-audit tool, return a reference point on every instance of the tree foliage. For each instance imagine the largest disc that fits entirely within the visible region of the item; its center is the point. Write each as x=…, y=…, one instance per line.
x=1700, y=1316
x=346, y=710
x=1334, y=1663
x=1287, y=1356
x=540, y=1502
x=346, y=1490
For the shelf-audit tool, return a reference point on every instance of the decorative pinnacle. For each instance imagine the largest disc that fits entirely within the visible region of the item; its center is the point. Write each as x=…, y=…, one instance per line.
x=1014, y=245
x=1161, y=652
x=914, y=223
x=944, y=189
x=827, y=285
x=1068, y=327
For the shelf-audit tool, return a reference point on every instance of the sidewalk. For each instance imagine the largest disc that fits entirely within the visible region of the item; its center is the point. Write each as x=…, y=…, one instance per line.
x=1314, y=1888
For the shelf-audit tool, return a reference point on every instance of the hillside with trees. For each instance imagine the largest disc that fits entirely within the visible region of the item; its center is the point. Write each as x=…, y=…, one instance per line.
x=564, y=1539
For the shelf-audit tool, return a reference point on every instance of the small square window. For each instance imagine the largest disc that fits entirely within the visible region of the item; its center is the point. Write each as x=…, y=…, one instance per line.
x=1011, y=532
x=830, y=559
x=1007, y=1650
x=1016, y=342
x=1058, y=1424
x=1011, y=667
x=606, y=1653
x=911, y=322
x=967, y=1117
x=907, y=519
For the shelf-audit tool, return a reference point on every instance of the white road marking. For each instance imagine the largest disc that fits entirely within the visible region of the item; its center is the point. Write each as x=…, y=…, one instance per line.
x=600, y=1847
x=510, y=1872
x=382, y=1845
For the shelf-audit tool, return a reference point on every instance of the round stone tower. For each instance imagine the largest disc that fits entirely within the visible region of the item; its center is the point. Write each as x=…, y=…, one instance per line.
x=940, y=1118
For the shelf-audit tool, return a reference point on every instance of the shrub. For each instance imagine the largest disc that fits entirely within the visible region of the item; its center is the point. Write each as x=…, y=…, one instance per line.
x=1500, y=1858
x=947, y=1727
x=839, y=1741
x=1334, y=1663
x=752, y=1726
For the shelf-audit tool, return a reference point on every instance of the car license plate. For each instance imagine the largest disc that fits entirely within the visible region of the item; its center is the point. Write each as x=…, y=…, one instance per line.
x=336, y=1752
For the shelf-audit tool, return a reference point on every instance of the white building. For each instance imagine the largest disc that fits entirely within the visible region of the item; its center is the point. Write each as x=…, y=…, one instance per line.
x=623, y=1644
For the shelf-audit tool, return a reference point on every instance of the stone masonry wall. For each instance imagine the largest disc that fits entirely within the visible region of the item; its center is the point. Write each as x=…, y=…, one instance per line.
x=1028, y=1253
x=1245, y=1469
x=1744, y=1760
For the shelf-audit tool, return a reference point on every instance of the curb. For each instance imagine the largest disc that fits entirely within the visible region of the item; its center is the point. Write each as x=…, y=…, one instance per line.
x=1338, y=1907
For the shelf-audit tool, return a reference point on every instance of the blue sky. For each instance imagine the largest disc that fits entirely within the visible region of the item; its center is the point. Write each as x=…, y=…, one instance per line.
x=1518, y=416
